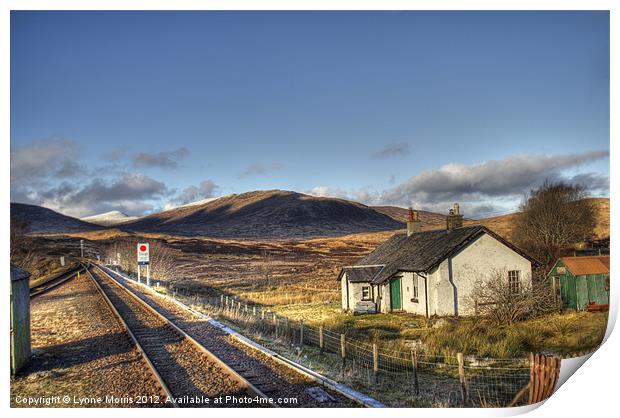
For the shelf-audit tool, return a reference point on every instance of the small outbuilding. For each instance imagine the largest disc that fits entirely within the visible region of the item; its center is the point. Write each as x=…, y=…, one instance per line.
x=20, y=318
x=580, y=282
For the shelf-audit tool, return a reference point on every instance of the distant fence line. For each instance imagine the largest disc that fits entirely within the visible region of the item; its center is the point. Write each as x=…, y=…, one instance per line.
x=448, y=380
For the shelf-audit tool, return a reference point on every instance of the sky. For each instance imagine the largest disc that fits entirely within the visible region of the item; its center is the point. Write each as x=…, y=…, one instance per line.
x=144, y=111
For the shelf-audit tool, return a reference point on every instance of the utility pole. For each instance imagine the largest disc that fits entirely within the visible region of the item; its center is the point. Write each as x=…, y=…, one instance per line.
x=82, y=247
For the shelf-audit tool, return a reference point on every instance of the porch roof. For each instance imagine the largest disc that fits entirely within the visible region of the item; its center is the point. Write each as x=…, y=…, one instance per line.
x=362, y=274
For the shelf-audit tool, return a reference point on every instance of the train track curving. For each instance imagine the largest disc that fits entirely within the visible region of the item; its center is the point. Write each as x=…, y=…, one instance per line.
x=54, y=282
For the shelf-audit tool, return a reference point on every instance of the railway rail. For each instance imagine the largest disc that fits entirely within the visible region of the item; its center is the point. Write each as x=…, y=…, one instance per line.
x=268, y=376
x=54, y=282
x=188, y=373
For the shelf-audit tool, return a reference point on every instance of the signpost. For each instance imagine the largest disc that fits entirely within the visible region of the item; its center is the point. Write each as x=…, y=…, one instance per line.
x=143, y=260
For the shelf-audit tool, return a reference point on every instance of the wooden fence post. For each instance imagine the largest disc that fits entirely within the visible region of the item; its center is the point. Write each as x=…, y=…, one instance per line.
x=221, y=301
x=321, y=341
x=414, y=362
x=343, y=353
x=262, y=314
x=462, y=379
x=531, y=391
x=375, y=361
x=544, y=376
x=301, y=333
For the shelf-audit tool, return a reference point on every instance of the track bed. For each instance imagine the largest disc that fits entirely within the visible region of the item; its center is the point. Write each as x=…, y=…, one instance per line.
x=192, y=377
x=272, y=378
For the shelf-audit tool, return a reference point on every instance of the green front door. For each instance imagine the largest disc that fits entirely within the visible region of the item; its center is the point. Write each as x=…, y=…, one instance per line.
x=395, y=302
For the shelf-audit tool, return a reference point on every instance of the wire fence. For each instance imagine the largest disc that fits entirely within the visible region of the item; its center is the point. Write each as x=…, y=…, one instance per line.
x=395, y=377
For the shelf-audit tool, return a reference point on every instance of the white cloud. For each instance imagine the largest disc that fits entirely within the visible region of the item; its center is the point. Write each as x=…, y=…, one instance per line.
x=392, y=150
x=495, y=178
x=489, y=187
x=43, y=160
x=204, y=190
x=166, y=160
x=260, y=169
x=132, y=193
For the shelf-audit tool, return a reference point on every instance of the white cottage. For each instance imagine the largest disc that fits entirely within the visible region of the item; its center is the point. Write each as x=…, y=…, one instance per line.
x=431, y=272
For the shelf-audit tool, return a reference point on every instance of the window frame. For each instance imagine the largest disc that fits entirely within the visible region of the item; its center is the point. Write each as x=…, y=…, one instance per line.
x=369, y=296
x=415, y=290
x=514, y=283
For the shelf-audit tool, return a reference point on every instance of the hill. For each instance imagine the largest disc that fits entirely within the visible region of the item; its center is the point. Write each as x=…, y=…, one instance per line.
x=40, y=220
x=430, y=220
x=274, y=214
x=114, y=217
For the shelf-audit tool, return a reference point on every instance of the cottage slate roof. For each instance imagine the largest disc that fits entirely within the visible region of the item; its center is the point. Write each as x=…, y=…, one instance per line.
x=420, y=252
x=587, y=265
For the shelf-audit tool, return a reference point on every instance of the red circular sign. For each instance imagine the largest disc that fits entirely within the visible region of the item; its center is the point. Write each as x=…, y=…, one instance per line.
x=143, y=248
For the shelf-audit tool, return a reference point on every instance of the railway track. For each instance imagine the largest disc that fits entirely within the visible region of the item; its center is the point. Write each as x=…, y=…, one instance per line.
x=189, y=374
x=268, y=376
x=54, y=282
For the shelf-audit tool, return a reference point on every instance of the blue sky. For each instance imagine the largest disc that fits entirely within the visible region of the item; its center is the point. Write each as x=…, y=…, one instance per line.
x=139, y=111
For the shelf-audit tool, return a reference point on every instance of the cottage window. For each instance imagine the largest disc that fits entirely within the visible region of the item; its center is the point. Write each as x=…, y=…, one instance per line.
x=514, y=281
x=415, y=288
x=365, y=292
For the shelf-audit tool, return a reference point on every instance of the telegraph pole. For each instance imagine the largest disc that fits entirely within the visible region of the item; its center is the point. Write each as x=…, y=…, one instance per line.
x=82, y=248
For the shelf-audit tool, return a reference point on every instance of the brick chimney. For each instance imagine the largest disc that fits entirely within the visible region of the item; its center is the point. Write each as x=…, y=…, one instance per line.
x=454, y=218
x=413, y=222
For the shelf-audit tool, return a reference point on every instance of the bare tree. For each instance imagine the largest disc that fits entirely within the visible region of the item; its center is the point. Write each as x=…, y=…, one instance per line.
x=506, y=302
x=162, y=263
x=123, y=251
x=554, y=217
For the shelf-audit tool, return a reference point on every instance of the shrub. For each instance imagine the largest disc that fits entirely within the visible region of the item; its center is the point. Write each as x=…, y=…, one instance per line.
x=492, y=297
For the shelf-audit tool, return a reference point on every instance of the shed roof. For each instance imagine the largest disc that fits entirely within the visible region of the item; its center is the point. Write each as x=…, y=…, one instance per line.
x=419, y=252
x=18, y=274
x=598, y=264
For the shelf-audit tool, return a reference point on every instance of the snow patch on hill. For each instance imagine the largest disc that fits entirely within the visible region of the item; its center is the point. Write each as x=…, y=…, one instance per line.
x=114, y=217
